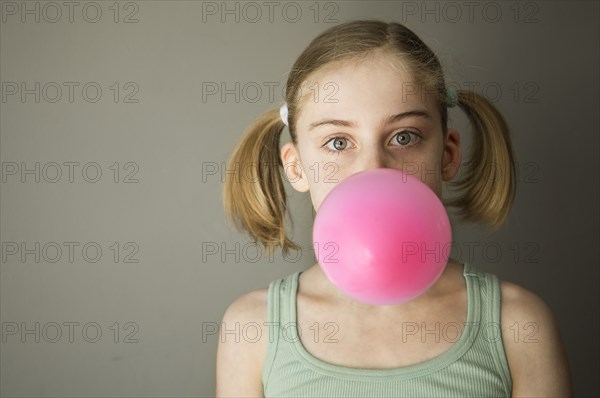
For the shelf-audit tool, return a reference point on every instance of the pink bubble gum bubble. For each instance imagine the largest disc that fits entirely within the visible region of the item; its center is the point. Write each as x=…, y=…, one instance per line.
x=382, y=236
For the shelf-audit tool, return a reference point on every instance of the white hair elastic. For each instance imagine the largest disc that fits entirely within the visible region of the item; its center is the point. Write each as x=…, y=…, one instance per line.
x=283, y=113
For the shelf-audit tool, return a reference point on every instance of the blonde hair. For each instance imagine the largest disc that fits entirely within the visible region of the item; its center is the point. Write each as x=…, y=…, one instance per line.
x=258, y=204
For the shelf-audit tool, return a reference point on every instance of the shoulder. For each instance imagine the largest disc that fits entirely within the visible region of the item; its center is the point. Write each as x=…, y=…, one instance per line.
x=242, y=345
x=248, y=306
x=535, y=353
x=247, y=317
x=520, y=304
x=525, y=311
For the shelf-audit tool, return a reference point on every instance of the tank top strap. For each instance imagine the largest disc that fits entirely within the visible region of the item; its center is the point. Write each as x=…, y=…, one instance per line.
x=488, y=290
x=469, y=270
x=278, y=317
x=490, y=330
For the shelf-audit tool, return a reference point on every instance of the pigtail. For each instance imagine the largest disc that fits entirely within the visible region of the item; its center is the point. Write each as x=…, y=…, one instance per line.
x=254, y=196
x=488, y=185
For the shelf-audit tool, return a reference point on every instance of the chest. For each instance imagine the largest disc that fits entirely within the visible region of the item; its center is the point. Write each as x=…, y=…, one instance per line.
x=340, y=338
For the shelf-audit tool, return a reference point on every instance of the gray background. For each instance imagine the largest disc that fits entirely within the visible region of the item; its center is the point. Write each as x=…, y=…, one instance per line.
x=543, y=56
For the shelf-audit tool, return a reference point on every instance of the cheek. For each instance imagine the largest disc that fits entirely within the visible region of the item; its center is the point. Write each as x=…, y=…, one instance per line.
x=427, y=170
x=432, y=176
x=320, y=171
x=319, y=192
x=317, y=198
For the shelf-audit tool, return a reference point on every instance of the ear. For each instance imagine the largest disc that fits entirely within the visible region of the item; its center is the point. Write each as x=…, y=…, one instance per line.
x=292, y=167
x=452, y=155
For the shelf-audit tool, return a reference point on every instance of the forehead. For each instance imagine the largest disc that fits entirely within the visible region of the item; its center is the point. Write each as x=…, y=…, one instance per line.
x=375, y=85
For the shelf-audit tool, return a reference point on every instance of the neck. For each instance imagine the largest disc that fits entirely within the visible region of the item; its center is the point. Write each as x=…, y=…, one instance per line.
x=438, y=288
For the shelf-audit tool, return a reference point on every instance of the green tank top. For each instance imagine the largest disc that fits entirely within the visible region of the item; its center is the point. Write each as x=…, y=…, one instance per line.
x=474, y=366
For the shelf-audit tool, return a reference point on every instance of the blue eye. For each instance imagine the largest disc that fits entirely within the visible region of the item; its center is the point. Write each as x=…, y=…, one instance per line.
x=339, y=143
x=406, y=141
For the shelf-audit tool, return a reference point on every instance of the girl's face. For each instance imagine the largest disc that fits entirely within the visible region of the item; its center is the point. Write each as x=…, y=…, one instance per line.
x=363, y=116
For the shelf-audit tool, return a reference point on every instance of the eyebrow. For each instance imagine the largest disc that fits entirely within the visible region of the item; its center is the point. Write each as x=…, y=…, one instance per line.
x=391, y=119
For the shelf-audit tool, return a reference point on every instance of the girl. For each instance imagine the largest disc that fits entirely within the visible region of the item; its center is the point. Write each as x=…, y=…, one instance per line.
x=369, y=94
